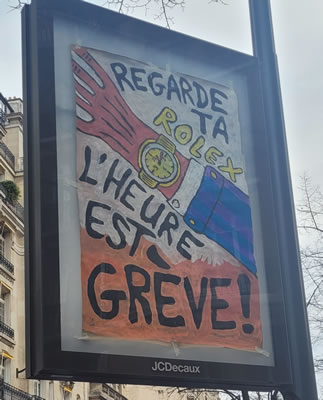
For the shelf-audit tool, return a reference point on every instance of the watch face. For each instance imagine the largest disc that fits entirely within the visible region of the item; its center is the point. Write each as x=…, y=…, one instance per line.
x=158, y=163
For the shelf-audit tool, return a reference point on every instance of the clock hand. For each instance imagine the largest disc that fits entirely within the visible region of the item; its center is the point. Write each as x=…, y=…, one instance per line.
x=160, y=158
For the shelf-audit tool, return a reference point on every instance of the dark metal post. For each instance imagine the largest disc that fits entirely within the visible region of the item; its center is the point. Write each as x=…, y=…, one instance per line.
x=245, y=395
x=304, y=385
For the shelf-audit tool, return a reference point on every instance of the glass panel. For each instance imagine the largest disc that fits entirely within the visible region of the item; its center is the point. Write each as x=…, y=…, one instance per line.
x=2, y=311
x=1, y=246
x=7, y=370
x=51, y=390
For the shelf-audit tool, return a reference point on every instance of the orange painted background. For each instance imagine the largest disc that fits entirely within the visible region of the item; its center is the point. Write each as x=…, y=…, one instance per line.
x=96, y=251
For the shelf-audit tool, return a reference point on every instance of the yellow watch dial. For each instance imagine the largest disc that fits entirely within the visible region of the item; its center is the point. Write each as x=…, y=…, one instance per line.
x=159, y=163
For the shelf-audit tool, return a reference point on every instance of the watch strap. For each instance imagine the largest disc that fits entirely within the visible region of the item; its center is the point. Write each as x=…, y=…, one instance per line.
x=152, y=183
x=166, y=143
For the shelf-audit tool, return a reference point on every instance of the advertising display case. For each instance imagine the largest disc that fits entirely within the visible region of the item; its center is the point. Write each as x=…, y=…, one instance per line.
x=152, y=246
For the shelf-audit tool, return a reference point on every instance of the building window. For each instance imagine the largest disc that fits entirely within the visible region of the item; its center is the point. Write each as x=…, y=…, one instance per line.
x=4, y=304
x=42, y=390
x=5, y=243
x=1, y=246
x=2, y=311
x=36, y=388
x=66, y=395
x=3, y=107
x=51, y=390
x=5, y=366
x=67, y=388
x=3, y=114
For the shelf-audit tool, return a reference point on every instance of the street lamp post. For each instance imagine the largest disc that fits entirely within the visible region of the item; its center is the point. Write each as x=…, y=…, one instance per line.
x=304, y=385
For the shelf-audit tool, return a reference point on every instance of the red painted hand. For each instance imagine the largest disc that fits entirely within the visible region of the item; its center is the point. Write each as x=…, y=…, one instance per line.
x=101, y=110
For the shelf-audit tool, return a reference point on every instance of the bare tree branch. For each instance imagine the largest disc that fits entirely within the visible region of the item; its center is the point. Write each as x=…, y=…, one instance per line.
x=18, y=4
x=218, y=1
x=310, y=223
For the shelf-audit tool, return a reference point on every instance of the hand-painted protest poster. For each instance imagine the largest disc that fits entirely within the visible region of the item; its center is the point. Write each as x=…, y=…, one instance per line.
x=165, y=221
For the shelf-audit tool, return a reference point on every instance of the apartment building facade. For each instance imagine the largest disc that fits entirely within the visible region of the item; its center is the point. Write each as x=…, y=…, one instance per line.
x=13, y=384
x=12, y=330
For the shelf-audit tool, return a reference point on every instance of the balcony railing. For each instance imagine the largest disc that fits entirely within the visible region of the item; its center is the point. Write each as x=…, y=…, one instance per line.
x=8, y=392
x=112, y=394
x=3, y=118
x=7, y=264
x=4, y=328
x=6, y=154
x=16, y=209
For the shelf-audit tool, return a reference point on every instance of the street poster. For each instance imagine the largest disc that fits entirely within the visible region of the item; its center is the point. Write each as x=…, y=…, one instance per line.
x=166, y=233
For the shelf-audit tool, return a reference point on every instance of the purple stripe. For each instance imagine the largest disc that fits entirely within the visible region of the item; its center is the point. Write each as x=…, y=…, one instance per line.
x=239, y=194
x=233, y=219
x=229, y=237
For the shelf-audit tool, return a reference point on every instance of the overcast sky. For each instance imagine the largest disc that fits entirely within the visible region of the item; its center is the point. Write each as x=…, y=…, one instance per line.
x=299, y=42
x=298, y=28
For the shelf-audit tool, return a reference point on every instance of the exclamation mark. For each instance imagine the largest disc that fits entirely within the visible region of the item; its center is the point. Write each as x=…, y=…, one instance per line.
x=244, y=286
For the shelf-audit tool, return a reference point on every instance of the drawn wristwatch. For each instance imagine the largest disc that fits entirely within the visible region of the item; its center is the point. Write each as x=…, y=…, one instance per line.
x=158, y=162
